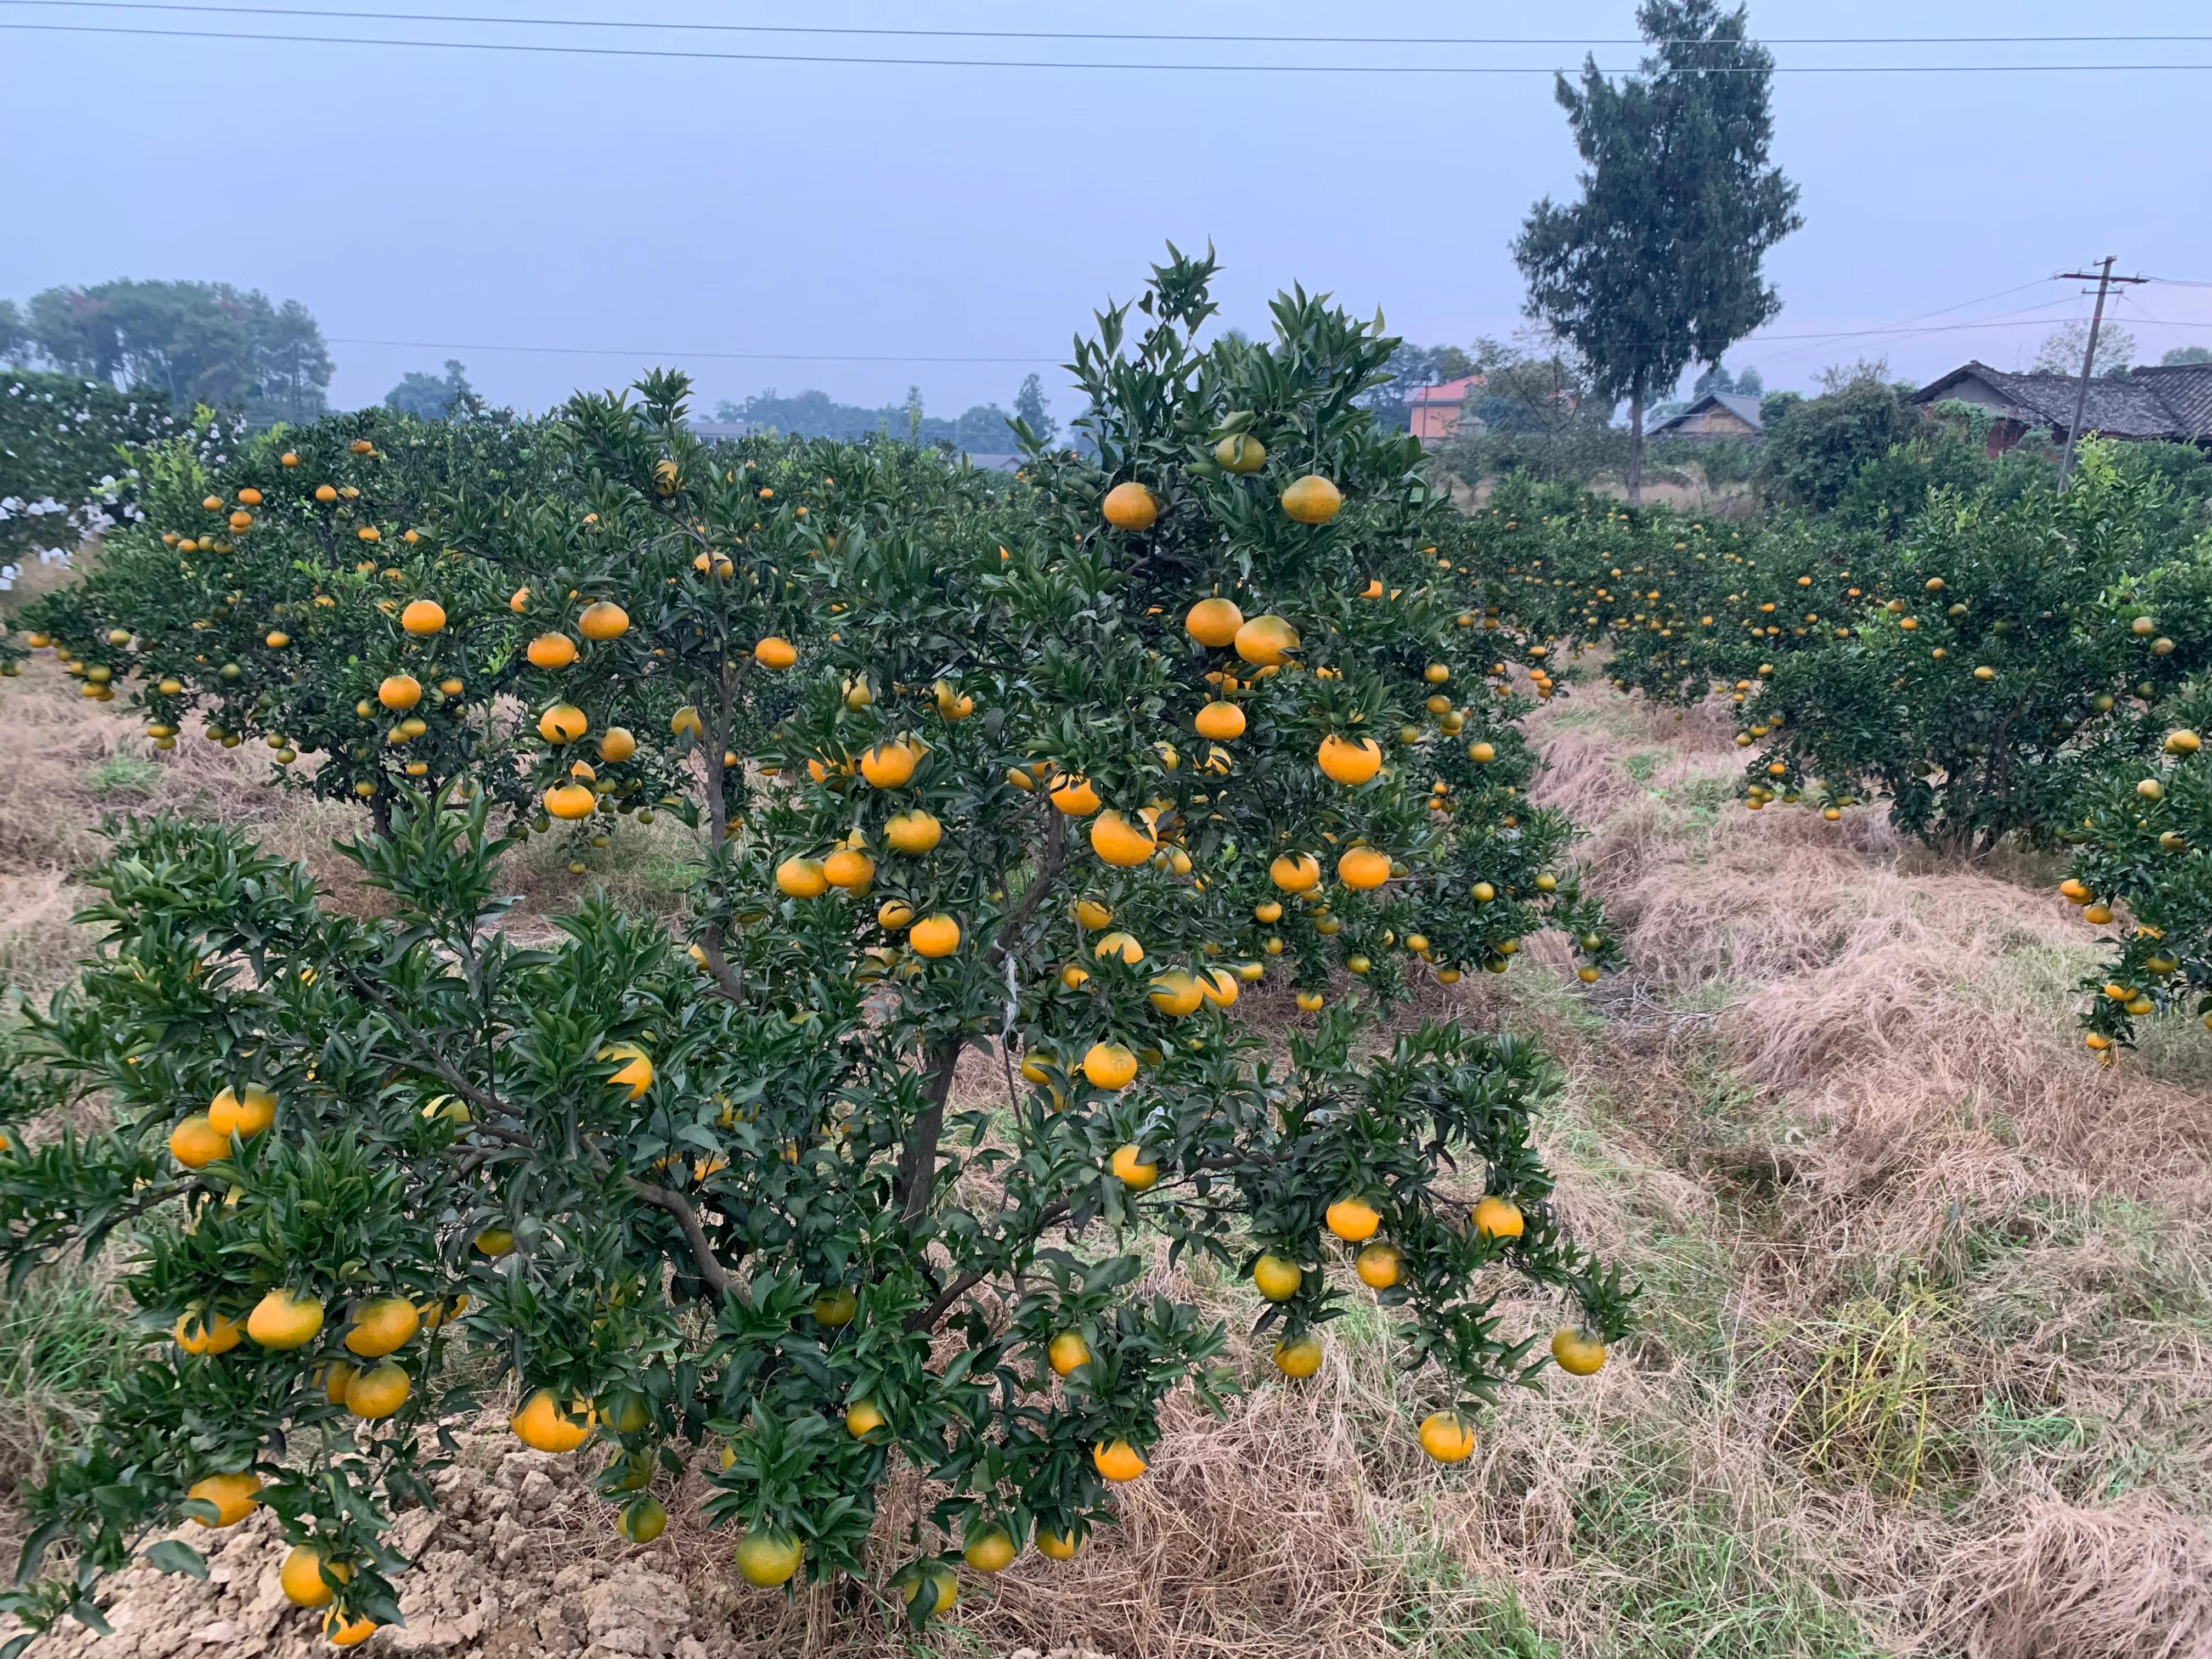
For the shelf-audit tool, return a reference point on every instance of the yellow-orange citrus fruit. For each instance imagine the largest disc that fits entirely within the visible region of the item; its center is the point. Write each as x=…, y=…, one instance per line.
x=544, y=1427
x=1276, y=1278
x=1118, y=945
x=849, y=868
x=1129, y=1168
x=1578, y=1355
x=493, y=1242
x=888, y=765
x=383, y=1327
x=1076, y=797
x=1057, y=1546
x=912, y=833
x=1349, y=763
x=562, y=723
x=399, y=692
x=1295, y=872
x=1240, y=453
x=1176, y=994
x=1447, y=1437
x=1108, y=1065
x=991, y=1549
x=341, y=1631
x=551, y=651
x=603, y=620
x=1363, y=868
x=895, y=913
x=377, y=1392
x=636, y=1072
x=244, y=1115
x=1117, y=1460
x=233, y=1496
x=767, y=1558
x=862, y=1417
x=422, y=616
x=686, y=718
x=570, y=801
x=1119, y=842
x=1267, y=642
x=1213, y=622
x=934, y=936
x=281, y=1320
x=1090, y=913
x=1067, y=1351
x=1130, y=506
x=776, y=652
x=1218, y=986
x=1378, y=1266
x=1352, y=1219
x=1299, y=1357
x=616, y=744
x=1220, y=721
x=301, y=1576
x=802, y=878
x=836, y=1307
x=199, y=1333
x=1313, y=500
x=1498, y=1218
x=642, y=1520
x=194, y=1143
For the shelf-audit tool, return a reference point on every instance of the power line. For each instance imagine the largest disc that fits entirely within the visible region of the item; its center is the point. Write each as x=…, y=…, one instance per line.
x=632, y=24
x=545, y=49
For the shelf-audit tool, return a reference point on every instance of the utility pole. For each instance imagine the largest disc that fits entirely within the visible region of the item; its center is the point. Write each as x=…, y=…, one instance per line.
x=2104, y=279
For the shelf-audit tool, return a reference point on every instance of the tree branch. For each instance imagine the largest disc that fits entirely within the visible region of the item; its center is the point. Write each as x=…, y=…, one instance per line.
x=926, y=1318
x=1047, y=870
x=917, y=1171
x=711, y=1270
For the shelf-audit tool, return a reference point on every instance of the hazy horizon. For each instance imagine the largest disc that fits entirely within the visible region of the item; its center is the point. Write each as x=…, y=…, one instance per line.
x=614, y=213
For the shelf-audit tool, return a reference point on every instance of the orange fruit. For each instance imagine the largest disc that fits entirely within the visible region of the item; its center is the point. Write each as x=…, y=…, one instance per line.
x=228, y=1115
x=281, y=1320
x=686, y=718
x=991, y=1549
x=1299, y=1357
x=1267, y=642
x=636, y=1073
x=862, y=1418
x=836, y=1307
x=1349, y=763
x=199, y=1333
x=1363, y=868
x=194, y=1143
x=934, y=936
x=1176, y=994
x=233, y=1496
x=1353, y=1219
x=1067, y=1353
x=562, y=723
x=544, y=1426
x=1129, y=1168
x=1057, y=1546
x=766, y=1558
x=1378, y=1266
x=888, y=765
x=616, y=744
x=301, y=1576
x=1213, y=622
x=1090, y=913
x=1121, y=842
x=383, y=1327
x=603, y=620
x=1295, y=872
x=894, y=914
x=1076, y=797
x=1109, y=1065
x=1276, y=1278
x=570, y=801
x=1498, y=1218
x=1447, y=1437
x=1218, y=986
x=1241, y=453
x=493, y=1242
x=422, y=616
x=551, y=651
x=1117, y=1460
x=1220, y=721
x=1130, y=506
x=1578, y=1355
x=802, y=878
x=378, y=1392
x=1121, y=945
x=399, y=692
x=849, y=868
x=912, y=833
x=341, y=1631
x=642, y=1520
x=1313, y=500
x=776, y=652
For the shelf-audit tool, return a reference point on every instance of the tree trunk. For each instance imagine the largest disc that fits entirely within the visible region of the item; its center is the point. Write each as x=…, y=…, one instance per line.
x=1636, y=445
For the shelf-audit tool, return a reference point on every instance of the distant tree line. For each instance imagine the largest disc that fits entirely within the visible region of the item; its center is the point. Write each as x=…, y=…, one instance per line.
x=192, y=343
x=983, y=429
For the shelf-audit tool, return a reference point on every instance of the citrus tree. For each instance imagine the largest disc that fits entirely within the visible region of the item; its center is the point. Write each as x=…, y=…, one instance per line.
x=1052, y=780
x=2025, y=644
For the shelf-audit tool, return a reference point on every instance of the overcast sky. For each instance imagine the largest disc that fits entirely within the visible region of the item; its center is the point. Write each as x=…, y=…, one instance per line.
x=658, y=211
